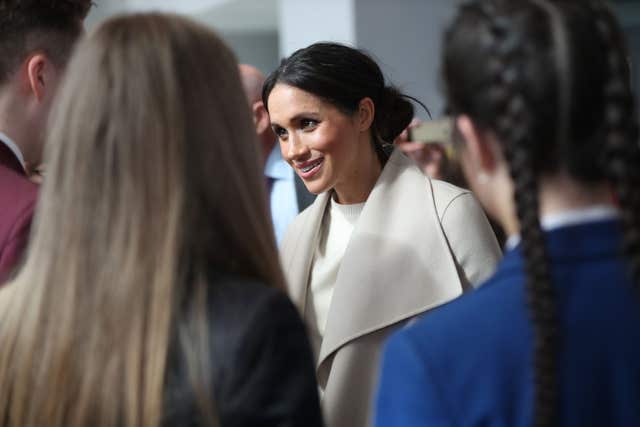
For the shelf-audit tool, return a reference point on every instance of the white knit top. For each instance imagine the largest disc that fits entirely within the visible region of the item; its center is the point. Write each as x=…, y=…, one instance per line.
x=337, y=225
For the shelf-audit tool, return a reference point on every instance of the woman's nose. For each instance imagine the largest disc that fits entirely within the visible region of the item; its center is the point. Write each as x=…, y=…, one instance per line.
x=296, y=148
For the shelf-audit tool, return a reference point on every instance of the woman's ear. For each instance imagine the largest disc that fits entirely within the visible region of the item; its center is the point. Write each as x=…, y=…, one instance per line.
x=366, y=113
x=479, y=144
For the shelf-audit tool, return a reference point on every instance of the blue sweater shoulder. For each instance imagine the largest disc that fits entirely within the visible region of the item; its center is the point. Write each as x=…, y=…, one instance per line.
x=470, y=362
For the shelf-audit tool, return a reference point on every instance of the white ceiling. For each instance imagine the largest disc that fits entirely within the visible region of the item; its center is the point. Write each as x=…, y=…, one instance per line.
x=243, y=16
x=224, y=15
x=182, y=6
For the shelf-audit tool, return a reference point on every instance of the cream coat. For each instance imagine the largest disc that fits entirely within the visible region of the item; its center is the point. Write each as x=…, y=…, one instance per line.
x=417, y=244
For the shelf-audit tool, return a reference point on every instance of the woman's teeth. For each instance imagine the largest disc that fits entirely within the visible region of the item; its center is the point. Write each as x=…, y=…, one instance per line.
x=311, y=166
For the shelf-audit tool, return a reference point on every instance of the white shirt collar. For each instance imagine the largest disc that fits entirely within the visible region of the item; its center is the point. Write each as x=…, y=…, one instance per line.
x=13, y=147
x=569, y=218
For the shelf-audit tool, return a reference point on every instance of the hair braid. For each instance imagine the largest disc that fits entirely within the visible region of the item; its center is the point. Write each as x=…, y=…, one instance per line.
x=514, y=126
x=621, y=130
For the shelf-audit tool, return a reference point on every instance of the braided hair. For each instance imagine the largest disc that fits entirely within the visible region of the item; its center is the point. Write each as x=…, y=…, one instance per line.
x=514, y=67
x=621, y=133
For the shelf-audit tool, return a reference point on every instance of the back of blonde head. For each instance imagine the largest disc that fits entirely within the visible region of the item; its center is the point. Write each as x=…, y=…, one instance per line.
x=153, y=181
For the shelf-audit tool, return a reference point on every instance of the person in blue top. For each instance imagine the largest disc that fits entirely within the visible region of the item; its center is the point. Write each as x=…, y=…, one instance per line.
x=540, y=92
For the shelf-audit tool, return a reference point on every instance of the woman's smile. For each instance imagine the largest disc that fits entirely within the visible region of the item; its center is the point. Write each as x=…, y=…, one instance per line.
x=309, y=169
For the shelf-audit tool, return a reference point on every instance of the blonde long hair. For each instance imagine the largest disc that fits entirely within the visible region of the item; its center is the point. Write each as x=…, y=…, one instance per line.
x=153, y=180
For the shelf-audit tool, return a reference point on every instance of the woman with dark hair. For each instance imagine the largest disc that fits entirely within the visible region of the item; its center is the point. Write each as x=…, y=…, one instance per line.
x=382, y=243
x=541, y=94
x=152, y=295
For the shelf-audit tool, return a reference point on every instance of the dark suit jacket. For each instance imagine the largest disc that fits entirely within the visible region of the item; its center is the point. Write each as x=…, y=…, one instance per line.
x=303, y=196
x=263, y=373
x=470, y=362
x=17, y=202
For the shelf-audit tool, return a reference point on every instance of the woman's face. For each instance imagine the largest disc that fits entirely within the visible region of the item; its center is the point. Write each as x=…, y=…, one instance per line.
x=321, y=143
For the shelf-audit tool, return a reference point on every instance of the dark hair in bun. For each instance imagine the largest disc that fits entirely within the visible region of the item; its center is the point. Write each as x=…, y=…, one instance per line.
x=343, y=76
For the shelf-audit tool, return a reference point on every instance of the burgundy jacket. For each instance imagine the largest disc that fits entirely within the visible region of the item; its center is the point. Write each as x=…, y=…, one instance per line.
x=17, y=202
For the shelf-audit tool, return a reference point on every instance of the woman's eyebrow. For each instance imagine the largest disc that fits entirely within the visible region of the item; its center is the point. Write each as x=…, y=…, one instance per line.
x=304, y=115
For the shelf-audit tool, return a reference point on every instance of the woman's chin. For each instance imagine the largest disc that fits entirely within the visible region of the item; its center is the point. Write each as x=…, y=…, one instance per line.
x=316, y=187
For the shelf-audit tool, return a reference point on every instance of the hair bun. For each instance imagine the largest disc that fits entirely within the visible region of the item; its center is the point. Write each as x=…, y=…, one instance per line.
x=394, y=113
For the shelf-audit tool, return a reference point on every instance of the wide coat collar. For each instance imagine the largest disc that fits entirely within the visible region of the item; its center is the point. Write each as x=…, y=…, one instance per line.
x=397, y=264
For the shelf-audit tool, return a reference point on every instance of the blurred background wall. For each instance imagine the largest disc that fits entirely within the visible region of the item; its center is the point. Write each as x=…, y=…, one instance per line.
x=404, y=36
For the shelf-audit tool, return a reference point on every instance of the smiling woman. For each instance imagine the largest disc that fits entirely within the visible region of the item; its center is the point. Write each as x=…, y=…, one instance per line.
x=382, y=243
x=312, y=135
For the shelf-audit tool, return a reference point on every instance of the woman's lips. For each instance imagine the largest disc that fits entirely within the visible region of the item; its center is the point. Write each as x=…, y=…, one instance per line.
x=308, y=169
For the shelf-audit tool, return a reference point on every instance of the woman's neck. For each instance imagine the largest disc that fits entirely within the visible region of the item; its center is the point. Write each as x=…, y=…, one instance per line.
x=357, y=185
x=559, y=194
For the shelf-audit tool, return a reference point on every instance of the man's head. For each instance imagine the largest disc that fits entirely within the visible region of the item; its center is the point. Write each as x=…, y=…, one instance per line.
x=36, y=39
x=252, y=81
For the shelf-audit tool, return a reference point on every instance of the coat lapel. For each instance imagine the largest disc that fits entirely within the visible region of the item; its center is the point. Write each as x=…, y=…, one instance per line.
x=301, y=249
x=397, y=263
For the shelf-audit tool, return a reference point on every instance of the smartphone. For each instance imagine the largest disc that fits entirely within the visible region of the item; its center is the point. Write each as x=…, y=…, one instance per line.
x=433, y=131
x=438, y=131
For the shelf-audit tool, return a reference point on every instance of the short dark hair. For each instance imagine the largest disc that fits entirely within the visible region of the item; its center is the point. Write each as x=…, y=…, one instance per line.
x=343, y=76
x=48, y=25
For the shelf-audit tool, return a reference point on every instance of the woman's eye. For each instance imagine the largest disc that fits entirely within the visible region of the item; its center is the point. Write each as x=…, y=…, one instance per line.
x=280, y=132
x=308, y=123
